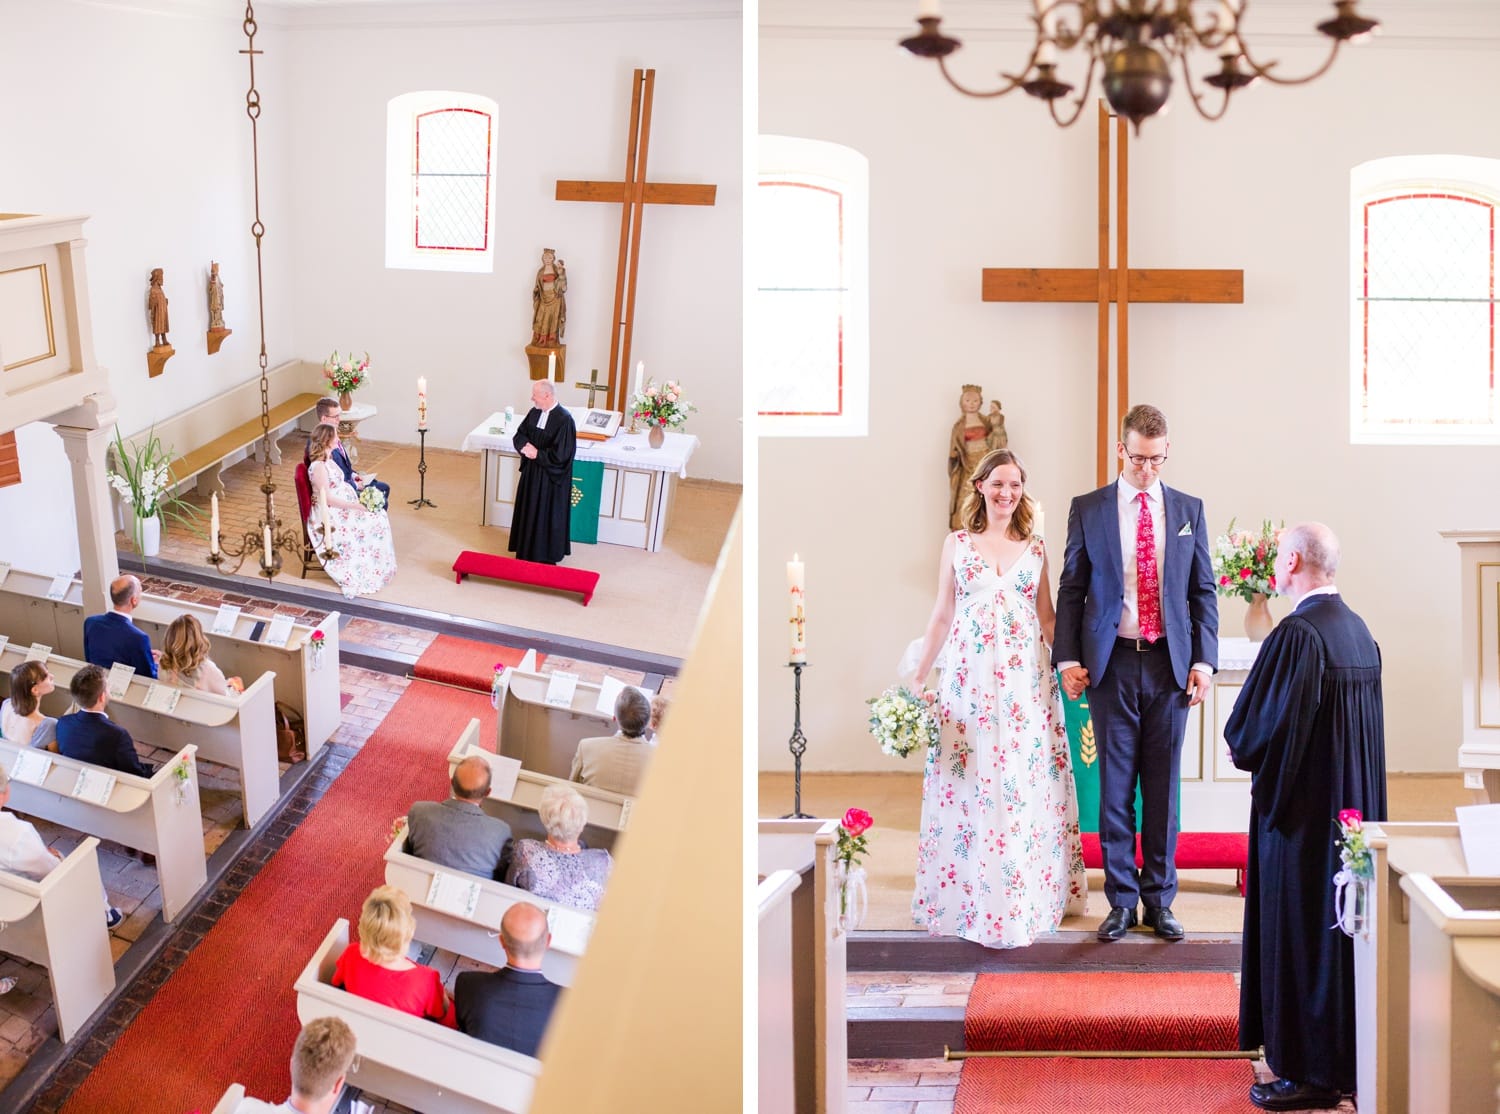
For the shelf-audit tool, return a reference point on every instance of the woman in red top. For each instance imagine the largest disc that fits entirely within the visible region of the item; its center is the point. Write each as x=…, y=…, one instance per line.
x=377, y=968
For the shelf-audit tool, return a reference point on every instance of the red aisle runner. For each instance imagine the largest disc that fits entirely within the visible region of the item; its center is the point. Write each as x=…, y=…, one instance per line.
x=465, y=663
x=229, y=1014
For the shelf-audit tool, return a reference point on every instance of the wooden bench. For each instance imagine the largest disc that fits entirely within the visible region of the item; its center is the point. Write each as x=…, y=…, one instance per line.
x=58, y=923
x=230, y=1099
x=238, y=730
x=409, y=1059
x=776, y=997
x=545, y=738
x=159, y=815
x=1195, y=851
x=229, y=423
x=303, y=680
x=517, y=571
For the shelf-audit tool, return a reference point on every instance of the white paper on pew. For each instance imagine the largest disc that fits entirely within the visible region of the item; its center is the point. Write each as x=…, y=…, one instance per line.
x=570, y=929
x=504, y=771
x=59, y=587
x=4, y=570
x=451, y=894
x=94, y=785
x=1479, y=832
x=560, y=689
x=225, y=619
x=162, y=698
x=38, y=652
x=280, y=631
x=625, y=813
x=609, y=691
x=4, y=638
x=119, y=679
x=31, y=766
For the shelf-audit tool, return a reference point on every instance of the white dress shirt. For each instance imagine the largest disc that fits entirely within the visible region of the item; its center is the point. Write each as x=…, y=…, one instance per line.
x=21, y=849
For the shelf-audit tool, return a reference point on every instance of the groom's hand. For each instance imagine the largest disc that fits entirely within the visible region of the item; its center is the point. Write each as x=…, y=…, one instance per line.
x=1074, y=680
x=1197, y=687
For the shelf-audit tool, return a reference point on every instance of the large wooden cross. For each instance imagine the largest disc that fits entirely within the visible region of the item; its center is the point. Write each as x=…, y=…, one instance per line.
x=1104, y=284
x=633, y=194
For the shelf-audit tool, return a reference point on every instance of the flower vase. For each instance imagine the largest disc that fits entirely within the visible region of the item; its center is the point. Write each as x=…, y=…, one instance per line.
x=146, y=533
x=657, y=437
x=1258, y=621
x=854, y=899
x=1351, y=903
x=346, y=400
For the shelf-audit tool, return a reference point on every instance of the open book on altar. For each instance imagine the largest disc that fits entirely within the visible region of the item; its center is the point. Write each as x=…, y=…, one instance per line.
x=595, y=425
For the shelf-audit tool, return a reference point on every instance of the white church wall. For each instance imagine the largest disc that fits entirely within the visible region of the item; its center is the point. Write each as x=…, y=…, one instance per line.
x=1257, y=394
x=563, y=89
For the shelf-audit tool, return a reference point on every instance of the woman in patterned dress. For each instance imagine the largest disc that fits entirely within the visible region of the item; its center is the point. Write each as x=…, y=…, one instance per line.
x=560, y=868
x=998, y=854
x=366, y=559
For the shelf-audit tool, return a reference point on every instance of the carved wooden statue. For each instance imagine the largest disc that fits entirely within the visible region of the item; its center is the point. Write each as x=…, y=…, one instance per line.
x=216, y=330
x=974, y=434
x=156, y=309
x=549, y=307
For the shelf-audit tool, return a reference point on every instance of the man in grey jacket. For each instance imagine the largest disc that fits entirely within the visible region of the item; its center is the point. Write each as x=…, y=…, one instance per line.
x=458, y=833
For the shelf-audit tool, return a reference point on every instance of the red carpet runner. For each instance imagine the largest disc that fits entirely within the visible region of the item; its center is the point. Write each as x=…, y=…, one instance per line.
x=469, y=665
x=1103, y=1010
x=228, y=1014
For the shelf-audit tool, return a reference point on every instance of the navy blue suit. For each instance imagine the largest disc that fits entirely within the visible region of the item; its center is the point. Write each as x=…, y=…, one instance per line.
x=507, y=1007
x=346, y=466
x=94, y=738
x=111, y=638
x=1137, y=696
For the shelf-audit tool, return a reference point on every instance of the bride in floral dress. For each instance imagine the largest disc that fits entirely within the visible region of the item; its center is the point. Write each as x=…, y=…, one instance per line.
x=366, y=558
x=998, y=855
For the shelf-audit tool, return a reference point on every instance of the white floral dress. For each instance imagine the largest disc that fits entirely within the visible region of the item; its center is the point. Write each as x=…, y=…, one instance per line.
x=366, y=559
x=998, y=855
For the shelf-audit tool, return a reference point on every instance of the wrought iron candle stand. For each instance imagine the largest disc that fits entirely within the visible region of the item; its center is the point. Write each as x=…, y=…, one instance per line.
x=421, y=500
x=797, y=744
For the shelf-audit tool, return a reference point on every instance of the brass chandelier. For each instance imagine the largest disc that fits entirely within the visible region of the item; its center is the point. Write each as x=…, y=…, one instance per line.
x=1134, y=46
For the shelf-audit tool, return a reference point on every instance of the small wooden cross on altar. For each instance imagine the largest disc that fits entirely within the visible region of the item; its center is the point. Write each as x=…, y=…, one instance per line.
x=1105, y=284
x=593, y=386
x=632, y=194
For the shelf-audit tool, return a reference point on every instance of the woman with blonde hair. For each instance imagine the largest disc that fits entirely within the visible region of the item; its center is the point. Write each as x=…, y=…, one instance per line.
x=561, y=869
x=377, y=968
x=185, y=660
x=21, y=718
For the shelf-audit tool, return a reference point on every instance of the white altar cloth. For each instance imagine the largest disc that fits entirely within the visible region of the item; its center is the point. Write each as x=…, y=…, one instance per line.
x=629, y=450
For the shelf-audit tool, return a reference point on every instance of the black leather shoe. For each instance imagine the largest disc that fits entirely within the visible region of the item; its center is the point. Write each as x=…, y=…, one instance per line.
x=1119, y=922
x=1286, y=1094
x=1167, y=926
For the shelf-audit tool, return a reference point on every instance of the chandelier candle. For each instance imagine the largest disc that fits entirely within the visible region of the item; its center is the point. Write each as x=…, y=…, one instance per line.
x=213, y=523
x=796, y=573
x=268, y=558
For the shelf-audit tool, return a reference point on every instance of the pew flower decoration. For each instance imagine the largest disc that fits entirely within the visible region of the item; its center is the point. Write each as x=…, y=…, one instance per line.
x=901, y=721
x=1245, y=561
x=346, y=374
x=1352, y=883
x=661, y=406
x=319, y=641
x=851, y=847
x=497, y=684
x=372, y=499
x=184, y=776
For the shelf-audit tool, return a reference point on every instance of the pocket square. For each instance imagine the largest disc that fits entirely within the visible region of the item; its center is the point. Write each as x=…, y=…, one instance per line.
x=1187, y=529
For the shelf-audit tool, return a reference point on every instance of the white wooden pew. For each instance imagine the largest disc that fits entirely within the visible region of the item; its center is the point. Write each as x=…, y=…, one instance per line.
x=543, y=737
x=159, y=815
x=776, y=1051
x=58, y=923
x=411, y=1060
x=306, y=681
x=474, y=935
x=230, y=1099
x=238, y=730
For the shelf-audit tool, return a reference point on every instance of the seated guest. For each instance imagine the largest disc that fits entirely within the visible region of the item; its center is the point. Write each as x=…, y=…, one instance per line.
x=21, y=719
x=659, y=706
x=560, y=869
x=320, y=1064
x=510, y=1007
x=617, y=762
x=89, y=735
x=114, y=637
x=377, y=968
x=23, y=852
x=457, y=833
x=185, y=660
x=329, y=413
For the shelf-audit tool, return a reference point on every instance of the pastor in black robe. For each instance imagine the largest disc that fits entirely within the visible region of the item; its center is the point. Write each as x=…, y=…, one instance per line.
x=1310, y=729
x=539, y=526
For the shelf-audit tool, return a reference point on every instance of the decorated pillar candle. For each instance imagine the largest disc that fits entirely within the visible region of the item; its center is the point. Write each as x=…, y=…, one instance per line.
x=213, y=524
x=422, y=402
x=796, y=574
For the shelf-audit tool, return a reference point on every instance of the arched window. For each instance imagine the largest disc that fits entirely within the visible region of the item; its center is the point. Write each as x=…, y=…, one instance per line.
x=809, y=340
x=440, y=182
x=1423, y=322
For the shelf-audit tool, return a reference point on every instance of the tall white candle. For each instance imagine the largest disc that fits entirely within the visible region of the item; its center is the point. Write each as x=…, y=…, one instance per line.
x=928, y=9
x=213, y=523
x=551, y=365
x=796, y=574
x=421, y=386
x=640, y=376
x=326, y=526
x=1046, y=54
x=266, y=557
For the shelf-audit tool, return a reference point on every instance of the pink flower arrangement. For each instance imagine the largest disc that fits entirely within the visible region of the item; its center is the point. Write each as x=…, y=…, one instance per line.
x=316, y=637
x=1245, y=561
x=661, y=405
x=346, y=374
x=851, y=843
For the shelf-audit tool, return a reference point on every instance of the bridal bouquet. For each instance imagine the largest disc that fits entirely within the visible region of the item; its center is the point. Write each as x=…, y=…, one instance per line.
x=662, y=405
x=347, y=374
x=371, y=499
x=1245, y=561
x=902, y=721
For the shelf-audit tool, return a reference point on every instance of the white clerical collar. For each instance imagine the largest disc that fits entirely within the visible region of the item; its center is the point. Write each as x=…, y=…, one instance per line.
x=1325, y=590
x=1128, y=491
x=541, y=422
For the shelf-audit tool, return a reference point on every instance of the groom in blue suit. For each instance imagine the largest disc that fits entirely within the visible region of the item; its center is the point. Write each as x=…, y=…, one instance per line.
x=1137, y=625
x=329, y=413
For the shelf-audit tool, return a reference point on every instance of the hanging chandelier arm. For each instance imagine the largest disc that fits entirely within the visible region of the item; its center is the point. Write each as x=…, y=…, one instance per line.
x=1187, y=81
x=1265, y=71
x=1013, y=82
x=1083, y=99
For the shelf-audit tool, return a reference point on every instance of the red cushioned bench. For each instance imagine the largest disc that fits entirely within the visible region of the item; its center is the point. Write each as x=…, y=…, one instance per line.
x=1195, y=851
x=517, y=571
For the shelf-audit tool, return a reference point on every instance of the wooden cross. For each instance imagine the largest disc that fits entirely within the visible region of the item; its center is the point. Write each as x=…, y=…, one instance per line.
x=593, y=386
x=632, y=195
x=1105, y=284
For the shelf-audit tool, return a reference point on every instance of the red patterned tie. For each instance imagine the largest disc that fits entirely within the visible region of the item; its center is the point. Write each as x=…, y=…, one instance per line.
x=1147, y=582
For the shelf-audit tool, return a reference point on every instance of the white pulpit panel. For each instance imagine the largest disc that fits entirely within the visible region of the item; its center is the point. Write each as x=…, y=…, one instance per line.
x=1479, y=658
x=1192, y=746
x=26, y=334
x=1487, y=684
x=635, y=495
x=609, y=488
x=1224, y=698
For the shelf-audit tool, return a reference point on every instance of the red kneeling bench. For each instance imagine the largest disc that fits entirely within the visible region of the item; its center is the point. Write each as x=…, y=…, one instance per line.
x=517, y=571
x=1195, y=851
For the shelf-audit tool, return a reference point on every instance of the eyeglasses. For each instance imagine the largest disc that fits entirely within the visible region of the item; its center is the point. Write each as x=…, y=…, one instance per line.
x=1138, y=461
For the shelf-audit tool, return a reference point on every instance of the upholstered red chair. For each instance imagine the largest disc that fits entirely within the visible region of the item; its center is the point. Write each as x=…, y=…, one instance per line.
x=304, y=509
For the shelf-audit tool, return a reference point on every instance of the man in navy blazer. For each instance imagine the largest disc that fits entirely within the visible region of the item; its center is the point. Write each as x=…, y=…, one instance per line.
x=329, y=413
x=511, y=1007
x=90, y=735
x=114, y=637
x=1137, y=625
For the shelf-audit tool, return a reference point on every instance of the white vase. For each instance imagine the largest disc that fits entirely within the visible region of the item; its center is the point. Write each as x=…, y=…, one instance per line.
x=148, y=539
x=854, y=898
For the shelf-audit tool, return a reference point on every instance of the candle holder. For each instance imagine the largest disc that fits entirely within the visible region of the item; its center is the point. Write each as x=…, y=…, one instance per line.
x=797, y=744
x=421, y=500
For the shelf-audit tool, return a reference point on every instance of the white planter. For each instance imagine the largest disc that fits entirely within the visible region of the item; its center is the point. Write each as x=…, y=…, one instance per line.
x=149, y=541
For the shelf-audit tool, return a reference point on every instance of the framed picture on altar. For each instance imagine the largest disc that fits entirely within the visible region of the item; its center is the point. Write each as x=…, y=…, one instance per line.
x=595, y=425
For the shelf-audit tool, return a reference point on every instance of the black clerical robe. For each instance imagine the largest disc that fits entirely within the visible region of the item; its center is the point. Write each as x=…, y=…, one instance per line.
x=1309, y=727
x=539, y=526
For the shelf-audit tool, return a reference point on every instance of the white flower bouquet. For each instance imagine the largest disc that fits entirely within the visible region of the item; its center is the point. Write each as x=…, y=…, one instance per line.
x=663, y=405
x=372, y=499
x=144, y=482
x=902, y=721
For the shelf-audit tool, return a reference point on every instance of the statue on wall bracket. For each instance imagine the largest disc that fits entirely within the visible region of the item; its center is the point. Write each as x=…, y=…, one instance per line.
x=156, y=314
x=216, y=330
x=975, y=433
x=547, y=354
